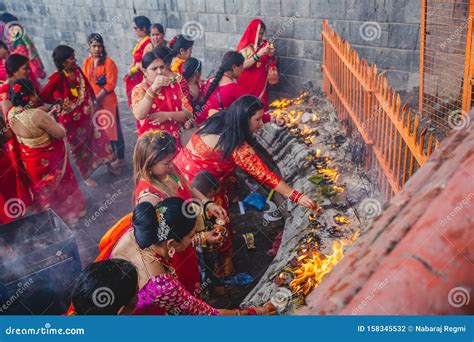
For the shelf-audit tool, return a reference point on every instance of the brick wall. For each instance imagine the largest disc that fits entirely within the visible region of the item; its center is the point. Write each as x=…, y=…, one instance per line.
x=385, y=32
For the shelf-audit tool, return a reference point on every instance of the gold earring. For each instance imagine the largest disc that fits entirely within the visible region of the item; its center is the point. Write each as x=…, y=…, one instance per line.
x=171, y=252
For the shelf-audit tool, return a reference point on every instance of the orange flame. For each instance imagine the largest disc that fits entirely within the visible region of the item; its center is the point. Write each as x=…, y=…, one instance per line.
x=331, y=173
x=342, y=219
x=312, y=271
x=318, y=153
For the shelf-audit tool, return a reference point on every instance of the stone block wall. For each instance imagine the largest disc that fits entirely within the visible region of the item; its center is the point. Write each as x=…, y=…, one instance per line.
x=385, y=32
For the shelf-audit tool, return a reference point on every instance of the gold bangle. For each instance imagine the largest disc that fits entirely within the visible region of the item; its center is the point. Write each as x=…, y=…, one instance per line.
x=150, y=96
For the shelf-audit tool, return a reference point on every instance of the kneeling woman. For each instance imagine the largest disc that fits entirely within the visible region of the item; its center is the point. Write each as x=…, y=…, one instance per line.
x=156, y=235
x=157, y=179
x=44, y=155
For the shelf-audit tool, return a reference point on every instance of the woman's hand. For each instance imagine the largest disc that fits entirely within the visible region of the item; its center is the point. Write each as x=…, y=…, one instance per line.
x=217, y=211
x=266, y=310
x=264, y=51
x=159, y=117
x=160, y=81
x=56, y=109
x=308, y=203
x=214, y=237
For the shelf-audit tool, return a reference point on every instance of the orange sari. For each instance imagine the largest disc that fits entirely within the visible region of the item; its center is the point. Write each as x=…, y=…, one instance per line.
x=104, y=77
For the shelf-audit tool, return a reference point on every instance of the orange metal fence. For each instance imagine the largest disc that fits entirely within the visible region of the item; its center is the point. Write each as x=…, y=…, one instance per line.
x=395, y=145
x=446, y=60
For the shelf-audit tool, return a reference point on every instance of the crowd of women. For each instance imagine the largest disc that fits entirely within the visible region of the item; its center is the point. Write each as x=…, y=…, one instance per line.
x=192, y=134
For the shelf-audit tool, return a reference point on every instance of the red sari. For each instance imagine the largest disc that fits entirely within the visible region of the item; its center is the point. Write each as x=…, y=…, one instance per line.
x=47, y=166
x=169, y=99
x=209, y=159
x=221, y=98
x=185, y=263
x=8, y=194
x=90, y=146
x=11, y=150
x=253, y=80
x=132, y=80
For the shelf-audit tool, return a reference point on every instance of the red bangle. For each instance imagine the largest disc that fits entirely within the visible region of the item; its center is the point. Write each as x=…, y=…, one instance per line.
x=251, y=311
x=295, y=196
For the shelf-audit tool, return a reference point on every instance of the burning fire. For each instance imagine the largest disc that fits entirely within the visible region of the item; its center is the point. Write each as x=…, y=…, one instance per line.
x=341, y=219
x=280, y=104
x=330, y=173
x=315, y=266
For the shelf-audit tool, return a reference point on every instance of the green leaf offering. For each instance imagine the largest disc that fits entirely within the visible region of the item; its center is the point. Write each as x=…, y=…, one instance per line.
x=316, y=179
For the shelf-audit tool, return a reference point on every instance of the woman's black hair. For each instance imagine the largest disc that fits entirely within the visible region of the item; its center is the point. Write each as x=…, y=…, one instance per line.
x=159, y=27
x=190, y=67
x=8, y=17
x=146, y=223
x=4, y=45
x=14, y=62
x=180, y=42
x=232, y=125
x=61, y=53
x=164, y=53
x=20, y=92
x=96, y=37
x=104, y=287
x=143, y=23
x=230, y=59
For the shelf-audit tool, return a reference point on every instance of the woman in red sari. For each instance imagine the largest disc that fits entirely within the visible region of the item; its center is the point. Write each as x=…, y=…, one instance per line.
x=223, y=143
x=21, y=44
x=257, y=52
x=4, y=53
x=101, y=72
x=157, y=37
x=193, y=87
x=222, y=90
x=156, y=179
x=17, y=67
x=159, y=102
x=141, y=26
x=44, y=154
x=181, y=49
x=8, y=195
x=90, y=146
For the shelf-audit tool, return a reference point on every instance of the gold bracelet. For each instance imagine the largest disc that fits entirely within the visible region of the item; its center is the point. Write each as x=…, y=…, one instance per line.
x=150, y=96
